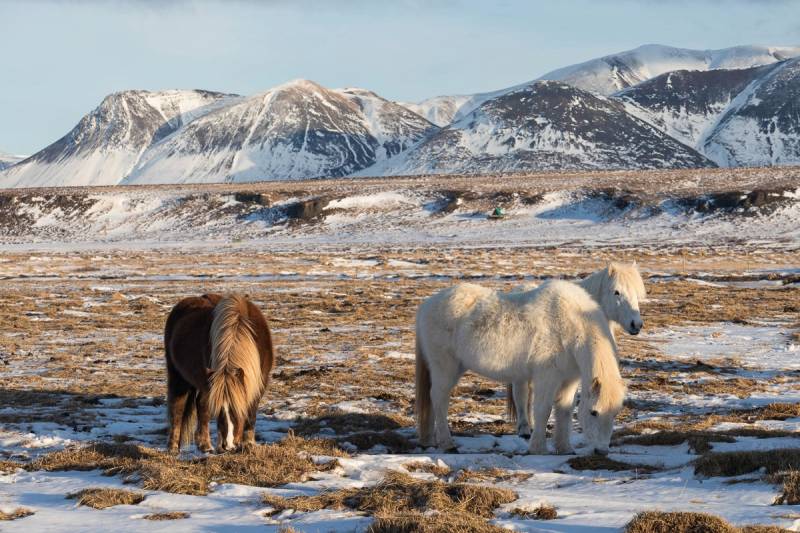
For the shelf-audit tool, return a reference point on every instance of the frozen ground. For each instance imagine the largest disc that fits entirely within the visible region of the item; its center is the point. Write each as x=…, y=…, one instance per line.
x=756, y=208
x=87, y=278
x=81, y=362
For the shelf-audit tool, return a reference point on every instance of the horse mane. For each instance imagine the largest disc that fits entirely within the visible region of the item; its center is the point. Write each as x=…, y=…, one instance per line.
x=626, y=274
x=606, y=381
x=235, y=380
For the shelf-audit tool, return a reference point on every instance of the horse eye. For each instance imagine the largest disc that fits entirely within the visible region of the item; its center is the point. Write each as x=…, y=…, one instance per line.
x=594, y=413
x=616, y=293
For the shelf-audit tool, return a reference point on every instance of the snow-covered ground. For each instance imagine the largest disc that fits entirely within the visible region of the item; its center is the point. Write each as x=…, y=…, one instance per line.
x=334, y=310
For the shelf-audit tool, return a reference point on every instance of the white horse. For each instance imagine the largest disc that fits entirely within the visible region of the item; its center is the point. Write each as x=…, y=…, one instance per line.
x=618, y=288
x=555, y=335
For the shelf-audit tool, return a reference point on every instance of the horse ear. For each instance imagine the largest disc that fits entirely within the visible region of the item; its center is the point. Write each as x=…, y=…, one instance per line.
x=596, y=387
x=611, y=269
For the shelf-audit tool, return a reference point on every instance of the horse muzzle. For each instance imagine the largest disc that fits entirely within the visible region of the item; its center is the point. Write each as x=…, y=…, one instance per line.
x=635, y=327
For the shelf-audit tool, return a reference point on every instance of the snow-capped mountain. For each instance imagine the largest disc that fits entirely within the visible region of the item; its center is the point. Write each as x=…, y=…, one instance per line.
x=747, y=117
x=297, y=130
x=609, y=74
x=762, y=126
x=652, y=107
x=6, y=160
x=612, y=73
x=108, y=142
x=545, y=125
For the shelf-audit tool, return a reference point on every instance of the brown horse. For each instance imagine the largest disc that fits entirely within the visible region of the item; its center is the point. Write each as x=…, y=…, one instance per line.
x=219, y=357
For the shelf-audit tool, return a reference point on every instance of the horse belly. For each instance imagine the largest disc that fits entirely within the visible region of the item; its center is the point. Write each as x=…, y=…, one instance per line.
x=494, y=359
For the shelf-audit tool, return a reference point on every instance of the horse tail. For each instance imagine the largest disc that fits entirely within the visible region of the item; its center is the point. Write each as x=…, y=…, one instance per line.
x=422, y=401
x=511, y=405
x=235, y=375
x=189, y=421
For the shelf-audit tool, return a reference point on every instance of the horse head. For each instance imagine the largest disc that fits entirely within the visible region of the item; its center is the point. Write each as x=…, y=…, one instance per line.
x=599, y=405
x=620, y=296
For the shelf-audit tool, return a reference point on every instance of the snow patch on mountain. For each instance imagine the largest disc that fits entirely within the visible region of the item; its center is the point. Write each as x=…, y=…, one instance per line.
x=609, y=74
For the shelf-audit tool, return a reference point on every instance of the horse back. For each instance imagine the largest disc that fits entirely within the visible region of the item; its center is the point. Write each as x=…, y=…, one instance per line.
x=186, y=338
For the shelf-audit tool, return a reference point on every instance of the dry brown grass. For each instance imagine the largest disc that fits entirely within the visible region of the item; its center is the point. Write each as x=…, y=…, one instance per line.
x=790, y=487
x=99, y=498
x=728, y=464
x=493, y=474
x=699, y=441
x=416, y=522
x=171, y=515
x=440, y=470
x=681, y=522
x=601, y=462
x=346, y=423
x=265, y=465
x=398, y=493
x=393, y=441
x=19, y=512
x=542, y=512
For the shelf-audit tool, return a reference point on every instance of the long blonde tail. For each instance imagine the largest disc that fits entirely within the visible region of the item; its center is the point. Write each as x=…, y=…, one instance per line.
x=235, y=381
x=422, y=401
x=189, y=421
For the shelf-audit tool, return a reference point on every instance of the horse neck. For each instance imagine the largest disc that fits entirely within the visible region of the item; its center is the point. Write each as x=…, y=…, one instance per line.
x=594, y=283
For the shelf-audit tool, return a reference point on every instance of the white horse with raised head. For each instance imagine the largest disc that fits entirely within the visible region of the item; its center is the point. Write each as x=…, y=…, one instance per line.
x=618, y=289
x=555, y=335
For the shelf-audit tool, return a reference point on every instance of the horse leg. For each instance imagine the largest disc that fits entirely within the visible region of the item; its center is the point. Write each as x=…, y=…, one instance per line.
x=176, y=405
x=442, y=382
x=177, y=394
x=522, y=402
x=544, y=392
x=565, y=400
x=249, y=435
x=202, y=437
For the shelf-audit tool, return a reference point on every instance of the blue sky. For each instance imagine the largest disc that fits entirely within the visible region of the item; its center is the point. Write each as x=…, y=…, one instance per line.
x=59, y=58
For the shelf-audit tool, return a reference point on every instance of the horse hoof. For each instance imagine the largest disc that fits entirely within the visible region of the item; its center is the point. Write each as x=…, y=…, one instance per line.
x=525, y=436
x=568, y=451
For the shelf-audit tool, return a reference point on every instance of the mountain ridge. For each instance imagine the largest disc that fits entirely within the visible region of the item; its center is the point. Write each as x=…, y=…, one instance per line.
x=706, y=116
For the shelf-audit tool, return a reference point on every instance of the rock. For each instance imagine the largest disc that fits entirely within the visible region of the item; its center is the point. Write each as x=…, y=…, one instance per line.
x=307, y=209
x=253, y=198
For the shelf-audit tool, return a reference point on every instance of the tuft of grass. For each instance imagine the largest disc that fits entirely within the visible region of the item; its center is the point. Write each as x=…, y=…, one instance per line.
x=790, y=491
x=492, y=474
x=393, y=441
x=699, y=441
x=773, y=411
x=416, y=522
x=728, y=464
x=19, y=512
x=440, y=470
x=602, y=462
x=398, y=493
x=99, y=498
x=680, y=522
x=264, y=465
x=543, y=512
x=171, y=515
x=347, y=423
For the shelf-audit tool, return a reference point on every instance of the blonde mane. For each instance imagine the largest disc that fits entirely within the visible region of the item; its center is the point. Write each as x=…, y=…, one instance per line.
x=235, y=381
x=626, y=274
x=606, y=381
